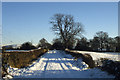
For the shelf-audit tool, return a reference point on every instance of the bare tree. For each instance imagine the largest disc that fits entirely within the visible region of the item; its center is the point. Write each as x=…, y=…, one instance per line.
x=117, y=41
x=83, y=44
x=95, y=43
x=111, y=44
x=65, y=27
x=103, y=39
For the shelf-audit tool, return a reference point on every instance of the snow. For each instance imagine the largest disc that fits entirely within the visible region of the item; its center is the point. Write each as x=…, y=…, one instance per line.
x=7, y=77
x=57, y=64
x=98, y=55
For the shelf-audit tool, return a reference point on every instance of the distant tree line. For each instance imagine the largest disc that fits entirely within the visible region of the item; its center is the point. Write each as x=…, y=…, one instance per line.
x=70, y=36
x=100, y=42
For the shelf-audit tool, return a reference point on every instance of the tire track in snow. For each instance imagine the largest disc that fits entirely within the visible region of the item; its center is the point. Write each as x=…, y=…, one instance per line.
x=61, y=59
x=57, y=64
x=69, y=63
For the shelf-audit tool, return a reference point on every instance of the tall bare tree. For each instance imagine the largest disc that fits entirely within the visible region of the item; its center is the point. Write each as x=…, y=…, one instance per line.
x=103, y=39
x=117, y=39
x=66, y=28
x=95, y=43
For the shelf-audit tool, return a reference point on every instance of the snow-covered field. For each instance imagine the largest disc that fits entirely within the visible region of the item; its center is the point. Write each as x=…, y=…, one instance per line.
x=57, y=64
x=98, y=55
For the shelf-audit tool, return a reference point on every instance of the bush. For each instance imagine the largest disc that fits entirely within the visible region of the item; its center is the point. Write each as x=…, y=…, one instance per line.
x=83, y=48
x=58, y=46
x=22, y=59
x=86, y=58
x=27, y=46
x=112, y=67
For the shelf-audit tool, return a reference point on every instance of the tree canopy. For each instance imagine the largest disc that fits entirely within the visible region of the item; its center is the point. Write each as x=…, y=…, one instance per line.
x=27, y=46
x=66, y=28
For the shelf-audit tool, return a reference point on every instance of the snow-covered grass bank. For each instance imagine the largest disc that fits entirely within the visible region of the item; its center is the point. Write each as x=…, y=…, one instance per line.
x=57, y=64
x=98, y=55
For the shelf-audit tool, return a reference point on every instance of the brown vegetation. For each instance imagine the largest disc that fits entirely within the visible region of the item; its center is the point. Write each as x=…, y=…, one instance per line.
x=86, y=57
x=21, y=59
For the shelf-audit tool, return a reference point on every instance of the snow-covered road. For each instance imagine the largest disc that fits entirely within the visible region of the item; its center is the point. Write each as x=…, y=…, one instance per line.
x=57, y=64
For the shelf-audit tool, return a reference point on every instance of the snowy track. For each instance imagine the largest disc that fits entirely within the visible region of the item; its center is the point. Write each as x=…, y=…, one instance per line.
x=57, y=64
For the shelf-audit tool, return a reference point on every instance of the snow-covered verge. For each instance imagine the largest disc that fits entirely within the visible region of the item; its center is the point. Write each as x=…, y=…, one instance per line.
x=58, y=64
x=98, y=55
